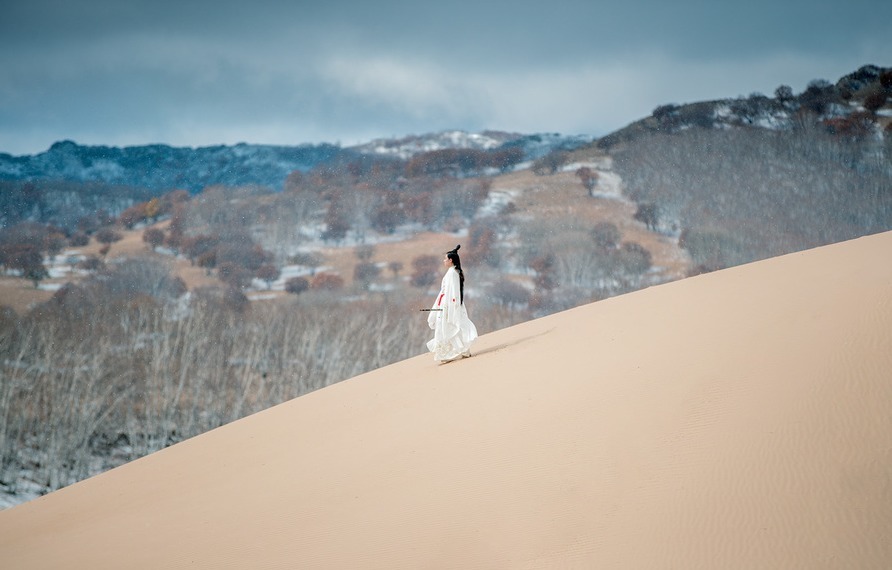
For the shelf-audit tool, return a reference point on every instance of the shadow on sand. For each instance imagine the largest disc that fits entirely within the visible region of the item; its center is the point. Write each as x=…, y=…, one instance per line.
x=499, y=347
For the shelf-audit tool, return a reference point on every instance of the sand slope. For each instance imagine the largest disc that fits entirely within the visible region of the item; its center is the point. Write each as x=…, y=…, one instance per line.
x=741, y=419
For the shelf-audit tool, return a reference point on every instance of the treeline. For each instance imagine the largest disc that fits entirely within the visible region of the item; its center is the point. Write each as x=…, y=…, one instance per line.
x=572, y=261
x=26, y=244
x=379, y=200
x=63, y=204
x=464, y=162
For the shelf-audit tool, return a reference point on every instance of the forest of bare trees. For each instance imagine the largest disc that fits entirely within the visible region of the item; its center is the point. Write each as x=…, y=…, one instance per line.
x=740, y=195
x=63, y=203
x=149, y=368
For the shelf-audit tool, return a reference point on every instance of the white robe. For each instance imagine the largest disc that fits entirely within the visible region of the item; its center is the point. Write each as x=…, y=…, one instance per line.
x=453, y=330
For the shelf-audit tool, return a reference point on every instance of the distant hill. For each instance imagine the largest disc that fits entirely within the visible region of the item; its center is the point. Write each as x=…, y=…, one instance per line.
x=162, y=167
x=533, y=145
x=738, y=180
x=863, y=91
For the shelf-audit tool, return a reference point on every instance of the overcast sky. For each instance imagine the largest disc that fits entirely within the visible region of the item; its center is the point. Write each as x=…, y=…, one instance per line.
x=196, y=73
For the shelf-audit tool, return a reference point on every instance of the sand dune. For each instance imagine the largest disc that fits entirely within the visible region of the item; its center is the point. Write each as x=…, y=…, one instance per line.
x=741, y=419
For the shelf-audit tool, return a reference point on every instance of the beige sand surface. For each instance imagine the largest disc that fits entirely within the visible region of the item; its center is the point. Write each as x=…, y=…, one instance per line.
x=741, y=419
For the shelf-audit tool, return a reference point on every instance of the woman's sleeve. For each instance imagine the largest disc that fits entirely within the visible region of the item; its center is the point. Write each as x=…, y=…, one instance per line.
x=451, y=298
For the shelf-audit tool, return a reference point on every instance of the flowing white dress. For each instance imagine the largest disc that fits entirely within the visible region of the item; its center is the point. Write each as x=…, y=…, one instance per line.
x=453, y=330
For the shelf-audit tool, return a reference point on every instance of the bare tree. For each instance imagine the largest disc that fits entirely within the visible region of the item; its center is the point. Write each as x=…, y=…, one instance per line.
x=588, y=178
x=395, y=267
x=108, y=236
x=268, y=273
x=364, y=273
x=296, y=285
x=425, y=270
x=606, y=235
x=153, y=237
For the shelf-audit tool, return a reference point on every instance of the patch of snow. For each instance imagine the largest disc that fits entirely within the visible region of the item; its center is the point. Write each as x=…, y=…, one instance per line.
x=260, y=285
x=180, y=308
x=166, y=251
x=496, y=202
x=25, y=490
x=104, y=170
x=609, y=186
x=290, y=271
x=59, y=271
x=609, y=183
x=287, y=273
x=408, y=147
x=774, y=121
x=596, y=163
x=722, y=112
x=835, y=110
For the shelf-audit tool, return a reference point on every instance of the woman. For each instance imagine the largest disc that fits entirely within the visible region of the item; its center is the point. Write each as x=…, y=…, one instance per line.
x=453, y=330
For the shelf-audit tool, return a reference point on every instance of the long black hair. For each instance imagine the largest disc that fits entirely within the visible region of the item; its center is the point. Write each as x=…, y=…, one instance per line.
x=452, y=254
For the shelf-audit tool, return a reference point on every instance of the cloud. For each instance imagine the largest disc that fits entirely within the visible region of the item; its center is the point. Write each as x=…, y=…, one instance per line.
x=418, y=89
x=204, y=72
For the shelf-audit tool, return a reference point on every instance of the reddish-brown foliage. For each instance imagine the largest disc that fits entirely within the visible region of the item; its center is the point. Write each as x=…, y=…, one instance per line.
x=153, y=237
x=108, y=236
x=327, y=282
x=854, y=126
x=544, y=268
x=78, y=239
x=133, y=215
x=268, y=273
x=234, y=275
